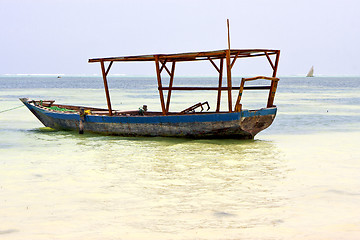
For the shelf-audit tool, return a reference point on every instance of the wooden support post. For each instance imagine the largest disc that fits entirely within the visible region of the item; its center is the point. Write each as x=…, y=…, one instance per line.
x=238, y=105
x=108, y=69
x=229, y=83
x=273, y=82
x=158, y=74
x=106, y=86
x=233, y=62
x=269, y=59
x=220, y=85
x=276, y=63
x=170, y=86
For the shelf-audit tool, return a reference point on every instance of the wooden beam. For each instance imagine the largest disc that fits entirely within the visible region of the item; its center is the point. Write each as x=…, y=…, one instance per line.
x=162, y=65
x=106, y=88
x=170, y=86
x=220, y=85
x=269, y=59
x=212, y=88
x=233, y=62
x=276, y=63
x=168, y=71
x=273, y=83
x=108, y=69
x=158, y=74
x=212, y=62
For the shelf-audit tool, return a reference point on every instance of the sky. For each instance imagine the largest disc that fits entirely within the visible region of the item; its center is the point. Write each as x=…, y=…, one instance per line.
x=59, y=36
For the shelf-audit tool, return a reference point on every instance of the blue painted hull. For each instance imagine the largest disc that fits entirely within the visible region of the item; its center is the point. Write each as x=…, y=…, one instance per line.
x=242, y=125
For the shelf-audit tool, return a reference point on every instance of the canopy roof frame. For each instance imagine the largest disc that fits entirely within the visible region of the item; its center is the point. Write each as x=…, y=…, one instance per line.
x=190, y=56
x=162, y=59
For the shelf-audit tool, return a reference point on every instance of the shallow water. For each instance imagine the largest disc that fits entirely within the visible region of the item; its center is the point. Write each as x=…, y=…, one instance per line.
x=299, y=179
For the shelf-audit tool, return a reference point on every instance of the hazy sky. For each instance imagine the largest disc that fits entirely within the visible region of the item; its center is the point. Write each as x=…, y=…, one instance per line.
x=59, y=36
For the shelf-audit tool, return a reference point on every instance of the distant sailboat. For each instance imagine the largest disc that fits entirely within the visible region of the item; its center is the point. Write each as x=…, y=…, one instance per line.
x=311, y=72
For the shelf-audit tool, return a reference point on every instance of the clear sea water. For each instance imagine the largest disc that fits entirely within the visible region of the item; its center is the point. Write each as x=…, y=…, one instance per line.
x=298, y=179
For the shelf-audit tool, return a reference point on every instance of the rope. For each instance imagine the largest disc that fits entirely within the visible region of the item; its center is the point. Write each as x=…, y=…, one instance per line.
x=11, y=109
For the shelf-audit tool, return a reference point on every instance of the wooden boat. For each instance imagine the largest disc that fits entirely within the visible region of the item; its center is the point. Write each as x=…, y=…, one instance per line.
x=193, y=122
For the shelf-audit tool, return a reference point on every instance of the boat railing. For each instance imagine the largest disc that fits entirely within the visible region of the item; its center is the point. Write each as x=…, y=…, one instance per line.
x=271, y=88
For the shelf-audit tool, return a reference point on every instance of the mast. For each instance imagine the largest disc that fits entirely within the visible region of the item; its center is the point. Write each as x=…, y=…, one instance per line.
x=228, y=70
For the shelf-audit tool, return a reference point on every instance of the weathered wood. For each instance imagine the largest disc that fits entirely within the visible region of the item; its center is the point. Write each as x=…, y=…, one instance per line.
x=276, y=63
x=158, y=74
x=228, y=31
x=212, y=88
x=167, y=70
x=162, y=65
x=170, y=86
x=233, y=61
x=191, y=56
x=81, y=121
x=261, y=77
x=273, y=83
x=229, y=83
x=238, y=106
x=108, y=69
x=199, y=125
x=270, y=61
x=212, y=62
x=106, y=88
x=220, y=85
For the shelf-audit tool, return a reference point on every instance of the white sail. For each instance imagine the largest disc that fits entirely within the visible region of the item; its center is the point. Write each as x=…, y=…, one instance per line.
x=311, y=72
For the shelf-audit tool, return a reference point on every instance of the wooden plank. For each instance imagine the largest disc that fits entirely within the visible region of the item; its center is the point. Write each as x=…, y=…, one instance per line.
x=158, y=74
x=106, y=88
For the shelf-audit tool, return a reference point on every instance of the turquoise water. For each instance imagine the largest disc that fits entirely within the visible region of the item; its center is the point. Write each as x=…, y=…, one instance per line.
x=299, y=179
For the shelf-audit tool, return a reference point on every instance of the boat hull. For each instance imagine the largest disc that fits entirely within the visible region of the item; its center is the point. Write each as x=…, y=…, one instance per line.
x=241, y=125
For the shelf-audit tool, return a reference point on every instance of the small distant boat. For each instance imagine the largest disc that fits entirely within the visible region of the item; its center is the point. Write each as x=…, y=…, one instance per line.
x=311, y=72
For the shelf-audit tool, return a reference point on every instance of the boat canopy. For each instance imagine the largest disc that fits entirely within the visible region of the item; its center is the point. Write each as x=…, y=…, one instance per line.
x=229, y=55
x=190, y=56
